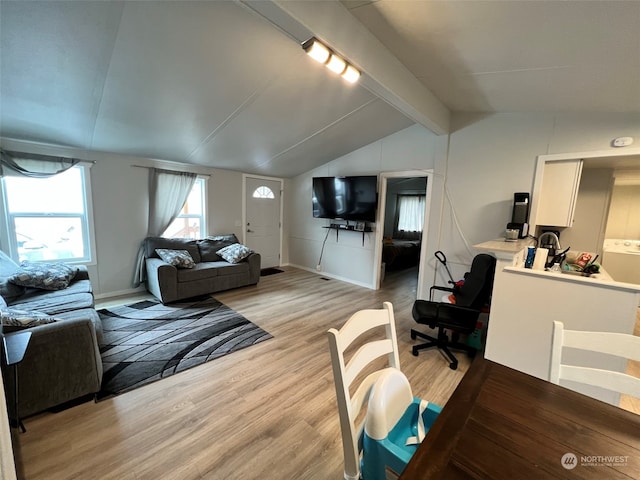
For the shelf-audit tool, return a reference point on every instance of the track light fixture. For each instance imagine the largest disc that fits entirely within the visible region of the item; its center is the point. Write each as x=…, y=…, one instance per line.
x=323, y=54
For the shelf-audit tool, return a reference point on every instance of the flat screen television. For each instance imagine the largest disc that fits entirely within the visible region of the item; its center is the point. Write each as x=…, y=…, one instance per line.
x=346, y=198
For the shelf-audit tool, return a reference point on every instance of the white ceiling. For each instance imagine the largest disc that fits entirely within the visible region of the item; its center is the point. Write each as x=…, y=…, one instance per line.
x=513, y=56
x=226, y=84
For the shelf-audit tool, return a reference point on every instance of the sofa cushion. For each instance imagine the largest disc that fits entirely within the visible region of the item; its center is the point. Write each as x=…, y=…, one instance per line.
x=35, y=294
x=235, y=253
x=46, y=276
x=204, y=270
x=8, y=268
x=210, y=245
x=177, y=258
x=188, y=244
x=226, y=268
x=17, y=317
x=53, y=303
x=201, y=271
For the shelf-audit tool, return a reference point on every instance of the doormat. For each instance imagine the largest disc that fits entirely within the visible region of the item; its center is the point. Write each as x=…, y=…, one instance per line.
x=270, y=271
x=147, y=341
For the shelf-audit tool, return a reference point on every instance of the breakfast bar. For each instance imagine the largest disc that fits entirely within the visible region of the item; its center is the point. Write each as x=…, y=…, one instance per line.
x=525, y=303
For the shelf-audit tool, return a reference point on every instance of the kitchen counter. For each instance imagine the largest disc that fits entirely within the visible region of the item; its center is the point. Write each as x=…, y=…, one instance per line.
x=525, y=302
x=500, y=245
x=602, y=279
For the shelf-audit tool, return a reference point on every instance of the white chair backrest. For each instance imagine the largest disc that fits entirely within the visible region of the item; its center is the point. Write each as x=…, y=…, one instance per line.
x=618, y=344
x=344, y=374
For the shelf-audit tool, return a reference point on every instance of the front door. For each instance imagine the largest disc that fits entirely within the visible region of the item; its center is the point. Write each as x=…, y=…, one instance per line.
x=262, y=214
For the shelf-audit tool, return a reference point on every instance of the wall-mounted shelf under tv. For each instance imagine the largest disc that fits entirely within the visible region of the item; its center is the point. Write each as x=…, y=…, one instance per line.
x=359, y=227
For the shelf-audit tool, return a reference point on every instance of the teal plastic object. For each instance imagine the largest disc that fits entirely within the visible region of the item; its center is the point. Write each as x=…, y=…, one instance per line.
x=391, y=452
x=474, y=339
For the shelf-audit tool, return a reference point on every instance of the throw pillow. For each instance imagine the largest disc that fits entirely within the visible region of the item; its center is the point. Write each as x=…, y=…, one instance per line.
x=235, y=253
x=46, y=276
x=14, y=317
x=177, y=258
x=8, y=268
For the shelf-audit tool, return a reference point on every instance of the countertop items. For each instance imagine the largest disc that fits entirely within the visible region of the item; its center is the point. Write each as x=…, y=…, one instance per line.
x=525, y=302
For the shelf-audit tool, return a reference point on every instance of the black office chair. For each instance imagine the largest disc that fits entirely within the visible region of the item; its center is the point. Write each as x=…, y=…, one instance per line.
x=460, y=317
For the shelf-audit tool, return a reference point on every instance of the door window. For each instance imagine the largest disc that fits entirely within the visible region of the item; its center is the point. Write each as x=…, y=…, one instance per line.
x=263, y=192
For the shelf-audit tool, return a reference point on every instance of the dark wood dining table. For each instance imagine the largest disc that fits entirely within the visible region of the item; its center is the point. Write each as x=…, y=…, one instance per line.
x=504, y=424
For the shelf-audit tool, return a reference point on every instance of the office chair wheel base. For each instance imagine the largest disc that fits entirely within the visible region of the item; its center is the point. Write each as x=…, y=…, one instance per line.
x=453, y=365
x=413, y=336
x=415, y=352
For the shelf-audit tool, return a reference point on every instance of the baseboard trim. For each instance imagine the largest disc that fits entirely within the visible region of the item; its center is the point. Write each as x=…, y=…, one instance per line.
x=334, y=277
x=119, y=293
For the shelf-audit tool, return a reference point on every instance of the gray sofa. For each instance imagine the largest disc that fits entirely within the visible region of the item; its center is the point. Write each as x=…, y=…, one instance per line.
x=210, y=274
x=62, y=362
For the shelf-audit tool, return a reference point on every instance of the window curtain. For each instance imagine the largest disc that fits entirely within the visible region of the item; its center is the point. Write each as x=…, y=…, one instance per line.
x=33, y=165
x=168, y=192
x=410, y=213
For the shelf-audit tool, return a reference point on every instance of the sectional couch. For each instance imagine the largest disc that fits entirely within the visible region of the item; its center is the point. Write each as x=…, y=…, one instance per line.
x=62, y=362
x=210, y=272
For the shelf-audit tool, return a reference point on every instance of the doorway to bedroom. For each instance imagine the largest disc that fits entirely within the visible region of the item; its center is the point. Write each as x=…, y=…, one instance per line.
x=404, y=206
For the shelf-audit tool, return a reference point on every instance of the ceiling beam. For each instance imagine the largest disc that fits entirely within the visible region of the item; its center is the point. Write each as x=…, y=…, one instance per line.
x=382, y=73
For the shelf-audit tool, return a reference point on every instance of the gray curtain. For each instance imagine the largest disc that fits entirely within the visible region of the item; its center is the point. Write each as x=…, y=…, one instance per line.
x=168, y=192
x=33, y=165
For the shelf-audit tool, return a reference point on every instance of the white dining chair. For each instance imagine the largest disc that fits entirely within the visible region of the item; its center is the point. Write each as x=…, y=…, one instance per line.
x=618, y=344
x=383, y=436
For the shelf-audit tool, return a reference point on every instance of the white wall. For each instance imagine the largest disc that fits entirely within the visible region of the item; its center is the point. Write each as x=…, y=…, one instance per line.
x=120, y=206
x=485, y=160
x=493, y=156
x=414, y=148
x=7, y=463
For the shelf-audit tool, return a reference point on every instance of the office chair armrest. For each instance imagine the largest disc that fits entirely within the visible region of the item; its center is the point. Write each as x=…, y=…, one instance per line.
x=454, y=316
x=444, y=289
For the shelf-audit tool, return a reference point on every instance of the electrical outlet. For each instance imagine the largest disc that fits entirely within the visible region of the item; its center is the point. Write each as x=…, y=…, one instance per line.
x=319, y=267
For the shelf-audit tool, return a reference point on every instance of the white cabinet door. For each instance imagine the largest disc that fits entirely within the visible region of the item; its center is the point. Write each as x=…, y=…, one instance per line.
x=559, y=192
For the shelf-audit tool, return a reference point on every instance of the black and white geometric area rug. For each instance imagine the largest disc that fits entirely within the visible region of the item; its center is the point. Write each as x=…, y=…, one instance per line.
x=147, y=341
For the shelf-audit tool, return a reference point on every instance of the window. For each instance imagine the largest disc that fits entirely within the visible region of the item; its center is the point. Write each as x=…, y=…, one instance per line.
x=411, y=213
x=263, y=192
x=191, y=221
x=47, y=218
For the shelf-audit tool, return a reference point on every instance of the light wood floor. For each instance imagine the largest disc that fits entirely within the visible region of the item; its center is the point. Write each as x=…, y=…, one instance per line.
x=266, y=412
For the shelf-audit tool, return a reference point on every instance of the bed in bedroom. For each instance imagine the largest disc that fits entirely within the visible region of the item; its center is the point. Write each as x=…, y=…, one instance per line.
x=398, y=254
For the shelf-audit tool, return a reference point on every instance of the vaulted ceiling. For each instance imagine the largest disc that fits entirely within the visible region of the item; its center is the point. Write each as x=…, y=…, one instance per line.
x=226, y=83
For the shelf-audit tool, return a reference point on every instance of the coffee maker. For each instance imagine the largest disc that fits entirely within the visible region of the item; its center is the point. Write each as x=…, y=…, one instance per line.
x=520, y=214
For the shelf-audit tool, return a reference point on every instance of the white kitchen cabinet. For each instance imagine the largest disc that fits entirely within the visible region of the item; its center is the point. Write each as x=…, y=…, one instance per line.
x=558, y=193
